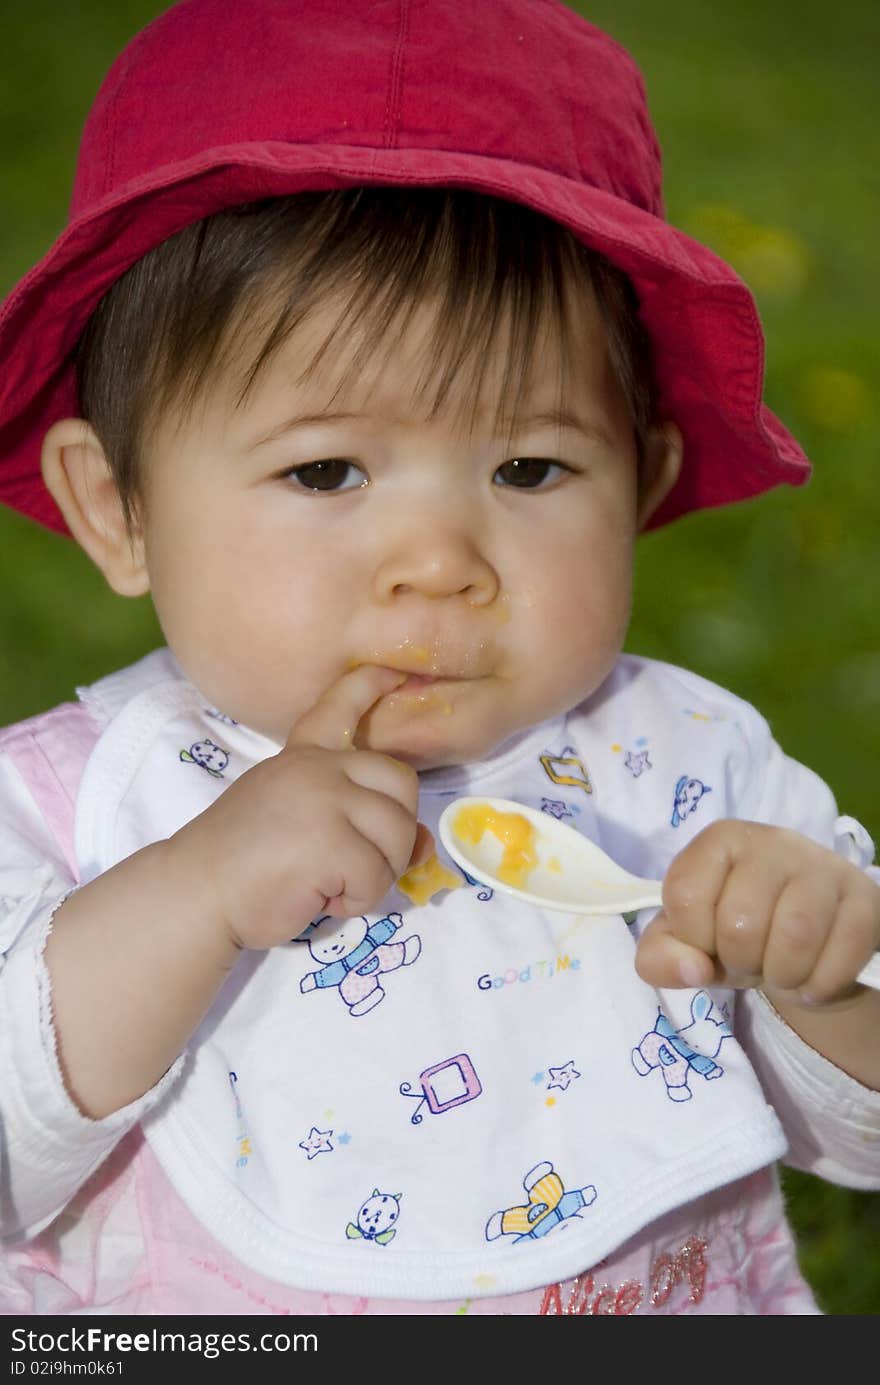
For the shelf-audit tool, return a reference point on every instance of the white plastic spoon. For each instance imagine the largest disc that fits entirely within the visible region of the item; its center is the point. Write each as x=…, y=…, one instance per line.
x=570, y=874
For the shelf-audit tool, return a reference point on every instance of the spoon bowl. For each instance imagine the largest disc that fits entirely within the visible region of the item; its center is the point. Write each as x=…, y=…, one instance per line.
x=570, y=873
x=532, y=856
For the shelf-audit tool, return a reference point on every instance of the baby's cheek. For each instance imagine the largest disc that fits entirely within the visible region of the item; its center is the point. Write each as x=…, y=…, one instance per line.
x=585, y=633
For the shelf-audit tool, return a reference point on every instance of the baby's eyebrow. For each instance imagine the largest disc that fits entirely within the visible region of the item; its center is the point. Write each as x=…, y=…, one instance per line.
x=304, y=421
x=552, y=418
x=563, y=418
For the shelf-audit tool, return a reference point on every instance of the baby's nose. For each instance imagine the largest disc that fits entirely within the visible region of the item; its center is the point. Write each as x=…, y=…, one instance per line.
x=435, y=564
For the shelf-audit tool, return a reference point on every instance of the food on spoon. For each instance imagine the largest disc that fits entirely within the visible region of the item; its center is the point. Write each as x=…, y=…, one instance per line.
x=517, y=836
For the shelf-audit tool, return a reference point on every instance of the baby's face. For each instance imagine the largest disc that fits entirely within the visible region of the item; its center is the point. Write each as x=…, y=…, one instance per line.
x=289, y=539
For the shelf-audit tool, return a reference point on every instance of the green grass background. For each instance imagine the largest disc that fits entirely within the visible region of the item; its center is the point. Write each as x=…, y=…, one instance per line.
x=768, y=117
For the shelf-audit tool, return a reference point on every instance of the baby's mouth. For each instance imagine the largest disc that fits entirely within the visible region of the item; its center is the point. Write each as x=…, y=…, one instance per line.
x=433, y=661
x=419, y=682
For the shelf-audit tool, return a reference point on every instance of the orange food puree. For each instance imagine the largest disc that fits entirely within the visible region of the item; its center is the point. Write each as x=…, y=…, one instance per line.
x=422, y=882
x=516, y=834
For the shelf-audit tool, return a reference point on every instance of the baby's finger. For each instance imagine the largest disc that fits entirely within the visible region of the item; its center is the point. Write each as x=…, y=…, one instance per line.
x=360, y=877
x=693, y=885
x=852, y=941
x=373, y=770
x=382, y=821
x=333, y=721
x=423, y=847
x=800, y=927
x=395, y=780
x=664, y=960
x=743, y=917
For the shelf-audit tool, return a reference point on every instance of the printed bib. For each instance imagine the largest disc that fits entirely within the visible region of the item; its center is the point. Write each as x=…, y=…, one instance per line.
x=463, y=1096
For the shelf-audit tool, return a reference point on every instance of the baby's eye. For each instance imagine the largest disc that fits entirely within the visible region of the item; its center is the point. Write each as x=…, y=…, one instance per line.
x=332, y=474
x=528, y=473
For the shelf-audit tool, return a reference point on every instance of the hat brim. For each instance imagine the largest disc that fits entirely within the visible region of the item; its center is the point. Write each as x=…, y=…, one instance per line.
x=707, y=340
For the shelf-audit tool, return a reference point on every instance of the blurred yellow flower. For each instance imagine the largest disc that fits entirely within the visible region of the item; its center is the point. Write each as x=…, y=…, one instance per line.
x=770, y=259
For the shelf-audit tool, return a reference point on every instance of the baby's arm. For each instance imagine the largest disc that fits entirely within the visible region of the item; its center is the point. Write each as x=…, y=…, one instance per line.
x=137, y=956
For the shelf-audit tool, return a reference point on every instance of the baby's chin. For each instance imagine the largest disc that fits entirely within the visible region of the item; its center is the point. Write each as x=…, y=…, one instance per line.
x=420, y=751
x=435, y=740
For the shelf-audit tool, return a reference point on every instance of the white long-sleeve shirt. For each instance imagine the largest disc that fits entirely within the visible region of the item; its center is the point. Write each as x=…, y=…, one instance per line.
x=646, y=763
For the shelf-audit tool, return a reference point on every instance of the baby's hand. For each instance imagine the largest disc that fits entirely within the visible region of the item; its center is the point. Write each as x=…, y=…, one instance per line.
x=750, y=905
x=319, y=828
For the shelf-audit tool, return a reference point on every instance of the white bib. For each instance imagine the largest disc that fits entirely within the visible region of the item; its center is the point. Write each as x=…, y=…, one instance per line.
x=471, y=1096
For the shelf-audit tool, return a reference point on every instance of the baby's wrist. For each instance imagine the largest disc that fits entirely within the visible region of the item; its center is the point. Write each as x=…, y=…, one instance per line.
x=855, y=998
x=190, y=879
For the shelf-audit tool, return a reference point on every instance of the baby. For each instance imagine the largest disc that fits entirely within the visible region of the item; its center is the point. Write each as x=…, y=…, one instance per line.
x=372, y=380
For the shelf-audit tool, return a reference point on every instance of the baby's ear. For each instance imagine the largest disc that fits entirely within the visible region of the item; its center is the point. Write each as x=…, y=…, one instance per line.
x=660, y=467
x=79, y=479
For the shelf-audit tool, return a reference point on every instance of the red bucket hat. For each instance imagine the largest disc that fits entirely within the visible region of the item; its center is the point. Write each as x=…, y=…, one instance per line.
x=215, y=104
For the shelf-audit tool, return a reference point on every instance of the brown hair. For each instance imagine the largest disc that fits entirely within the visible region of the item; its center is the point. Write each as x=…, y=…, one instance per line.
x=181, y=313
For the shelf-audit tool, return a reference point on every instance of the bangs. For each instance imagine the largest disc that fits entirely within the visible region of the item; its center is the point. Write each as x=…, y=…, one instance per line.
x=220, y=298
x=497, y=277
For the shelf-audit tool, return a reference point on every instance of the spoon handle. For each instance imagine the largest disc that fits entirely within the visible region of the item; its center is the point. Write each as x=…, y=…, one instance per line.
x=870, y=974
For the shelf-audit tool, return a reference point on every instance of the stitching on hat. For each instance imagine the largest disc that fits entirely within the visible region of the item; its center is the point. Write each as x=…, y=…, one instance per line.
x=111, y=151
x=123, y=67
x=641, y=109
x=395, y=79
x=651, y=135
